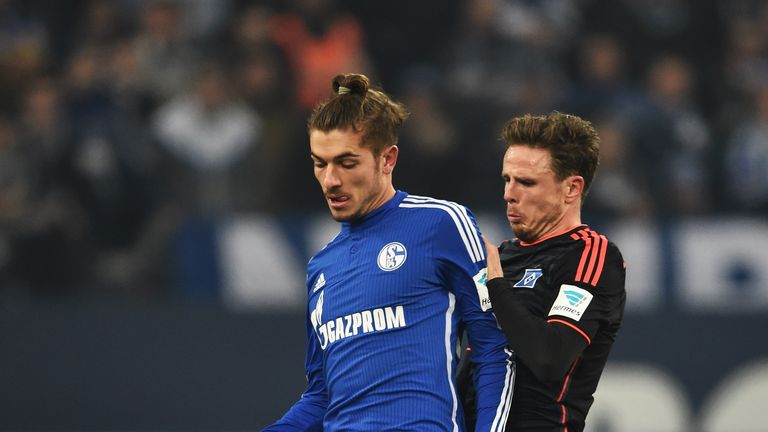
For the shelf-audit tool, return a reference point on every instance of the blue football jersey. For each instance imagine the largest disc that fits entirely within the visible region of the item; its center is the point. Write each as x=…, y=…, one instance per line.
x=386, y=297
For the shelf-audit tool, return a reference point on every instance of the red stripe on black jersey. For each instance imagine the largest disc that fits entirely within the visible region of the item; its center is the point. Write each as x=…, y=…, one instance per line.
x=601, y=262
x=562, y=421
x=595, y=247
x=581, y=332
x=562, y=394
x=592, y=256
x=584, y=253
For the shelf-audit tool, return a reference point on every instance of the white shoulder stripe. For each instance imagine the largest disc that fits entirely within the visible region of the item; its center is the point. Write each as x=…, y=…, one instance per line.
x=449, y=358
x=455, y=218
x=478, y=247
x=461, y=211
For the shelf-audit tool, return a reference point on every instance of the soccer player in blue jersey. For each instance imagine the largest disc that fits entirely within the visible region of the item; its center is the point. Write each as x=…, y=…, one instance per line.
x=388, y=294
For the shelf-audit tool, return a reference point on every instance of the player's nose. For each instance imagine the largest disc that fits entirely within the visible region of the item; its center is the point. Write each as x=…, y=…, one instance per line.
x=331, y=178
x=509, y=193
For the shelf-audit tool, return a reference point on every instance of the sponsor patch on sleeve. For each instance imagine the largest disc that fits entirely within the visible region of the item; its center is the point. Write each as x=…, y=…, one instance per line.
x=482, y=290
x=571, y=302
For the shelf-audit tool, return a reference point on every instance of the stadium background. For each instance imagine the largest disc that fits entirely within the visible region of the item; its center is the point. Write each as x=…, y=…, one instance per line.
x=157, y=206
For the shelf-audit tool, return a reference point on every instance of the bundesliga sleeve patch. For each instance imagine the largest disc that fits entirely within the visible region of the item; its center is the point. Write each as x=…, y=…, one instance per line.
x=482, y=290
x=571, y=302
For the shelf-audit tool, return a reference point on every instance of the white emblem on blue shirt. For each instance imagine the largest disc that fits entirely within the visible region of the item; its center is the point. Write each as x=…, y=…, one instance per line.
x=392, y=256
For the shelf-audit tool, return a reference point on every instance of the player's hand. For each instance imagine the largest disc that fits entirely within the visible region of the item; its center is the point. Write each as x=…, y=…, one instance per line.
x=493, y=261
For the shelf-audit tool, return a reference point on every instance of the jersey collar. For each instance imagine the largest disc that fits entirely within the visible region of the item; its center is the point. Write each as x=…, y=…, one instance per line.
x=557, y=234
x=377, y=214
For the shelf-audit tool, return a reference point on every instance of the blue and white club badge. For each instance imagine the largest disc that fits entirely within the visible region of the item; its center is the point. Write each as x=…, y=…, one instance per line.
x=392, y=256
x=529, y=279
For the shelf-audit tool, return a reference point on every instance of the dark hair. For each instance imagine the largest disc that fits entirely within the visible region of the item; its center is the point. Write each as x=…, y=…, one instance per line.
x=572, y=142
x=356, y=106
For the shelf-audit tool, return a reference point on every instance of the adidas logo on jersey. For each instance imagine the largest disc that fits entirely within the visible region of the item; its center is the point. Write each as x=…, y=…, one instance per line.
x=319, y=283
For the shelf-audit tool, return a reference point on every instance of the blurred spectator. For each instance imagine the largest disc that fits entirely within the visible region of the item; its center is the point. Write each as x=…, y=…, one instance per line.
x=400, y=34
x=618, y=192
x=87, y=98
x=14, y=188
x=251, y=32
x=114, y=164
x=203, y=19
x=661, y=24
x=602, y=84
x=210, y=140
x=321, y=41
x=673, y=140
x=165, y=54
x=207, y=132
x=745, y=68
x=747, y=159
x=484, y=66
x=748, y=53
x=505, y=49
x=431, y=141
x=100, y=23
x=22, y=51
x=127, y=89
x=263, y=78
x=275, y=181
x=43, y=220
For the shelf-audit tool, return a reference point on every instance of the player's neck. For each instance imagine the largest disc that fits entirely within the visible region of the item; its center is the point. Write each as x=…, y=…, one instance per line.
x=570, y=219
x=567, y=222
x=382, y=198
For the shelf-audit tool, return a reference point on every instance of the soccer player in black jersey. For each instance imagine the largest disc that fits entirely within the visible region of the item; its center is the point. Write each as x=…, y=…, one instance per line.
x=557, y=289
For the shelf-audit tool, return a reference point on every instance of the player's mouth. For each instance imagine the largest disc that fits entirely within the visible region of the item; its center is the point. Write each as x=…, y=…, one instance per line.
x=337, y=201
x=514, y=218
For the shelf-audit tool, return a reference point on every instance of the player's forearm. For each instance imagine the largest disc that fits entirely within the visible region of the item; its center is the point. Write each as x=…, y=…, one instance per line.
x=541, y=346
x=305, y=415
x=493, y=383
x=493, y=373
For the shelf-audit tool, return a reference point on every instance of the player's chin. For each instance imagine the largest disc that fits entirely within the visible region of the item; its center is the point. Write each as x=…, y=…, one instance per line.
x=341, y=216
x=521, y=233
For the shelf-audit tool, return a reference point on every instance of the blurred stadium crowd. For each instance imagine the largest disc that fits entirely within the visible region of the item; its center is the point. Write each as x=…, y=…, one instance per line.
x=122, y=120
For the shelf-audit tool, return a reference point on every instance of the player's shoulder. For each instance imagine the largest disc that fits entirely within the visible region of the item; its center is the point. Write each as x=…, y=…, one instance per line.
x=593, y=258
x=586, y=238
x=438, y=216
x=434, y=209
x=450, y=224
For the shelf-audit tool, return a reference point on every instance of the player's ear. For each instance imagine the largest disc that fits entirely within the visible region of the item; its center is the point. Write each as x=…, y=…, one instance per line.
x=574, y=186
x=389, y=158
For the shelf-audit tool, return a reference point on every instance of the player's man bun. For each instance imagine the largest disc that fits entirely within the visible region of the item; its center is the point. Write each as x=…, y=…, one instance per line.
x=351, y=83
x=358, y=107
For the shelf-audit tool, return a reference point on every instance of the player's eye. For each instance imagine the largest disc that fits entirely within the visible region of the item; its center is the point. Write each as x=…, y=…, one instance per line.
x=348, y=164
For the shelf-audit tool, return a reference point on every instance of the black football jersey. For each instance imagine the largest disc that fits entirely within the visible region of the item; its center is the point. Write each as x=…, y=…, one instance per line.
x=574, y=279
x=561, y=308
